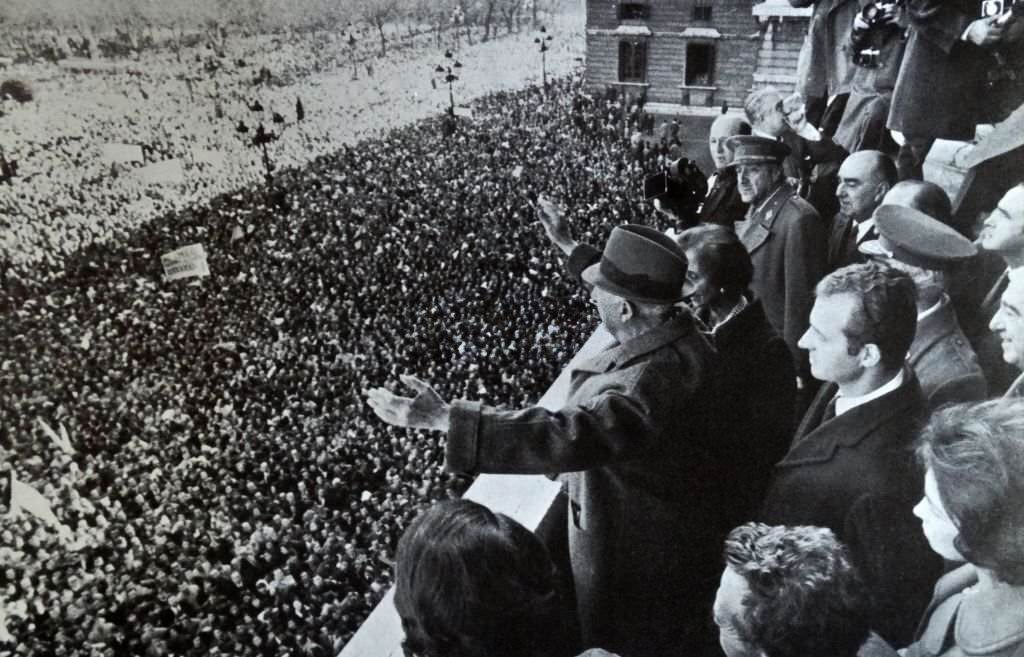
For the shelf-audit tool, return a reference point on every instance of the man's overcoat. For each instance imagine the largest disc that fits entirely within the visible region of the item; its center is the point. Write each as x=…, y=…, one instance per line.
x=633, y=440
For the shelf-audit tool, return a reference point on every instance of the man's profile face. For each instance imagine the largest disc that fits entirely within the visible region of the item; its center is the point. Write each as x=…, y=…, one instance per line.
x=828, y=348
x=728, y=613
x=859, y=191
x=1003, y=230
x=721, y=130
x=608, y=308
x=773, y=121
x=1008, y=323
x=756, y=181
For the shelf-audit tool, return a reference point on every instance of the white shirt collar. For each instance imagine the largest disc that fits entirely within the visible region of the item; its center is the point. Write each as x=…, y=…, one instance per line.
x=931, y=311
x=863, y=228
x=844, y=404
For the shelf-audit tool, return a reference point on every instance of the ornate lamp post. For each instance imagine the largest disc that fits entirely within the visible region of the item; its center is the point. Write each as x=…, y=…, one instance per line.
x=542, y=41
x=448, y=71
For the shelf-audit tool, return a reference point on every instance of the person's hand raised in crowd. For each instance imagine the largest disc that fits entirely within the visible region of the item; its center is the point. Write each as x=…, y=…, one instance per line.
x=552, y=217
x=424, y=411
x=986, y=32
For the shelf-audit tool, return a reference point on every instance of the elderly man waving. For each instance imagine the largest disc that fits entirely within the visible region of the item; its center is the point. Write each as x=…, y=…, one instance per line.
x=634, y=437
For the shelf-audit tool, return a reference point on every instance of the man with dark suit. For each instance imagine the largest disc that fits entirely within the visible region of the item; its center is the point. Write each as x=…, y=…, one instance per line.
x=864, y=179
x=1002, y=235
x=633, y=442
x=723, y=204
x=784, y=236
x=850, y=466
x=941, y=357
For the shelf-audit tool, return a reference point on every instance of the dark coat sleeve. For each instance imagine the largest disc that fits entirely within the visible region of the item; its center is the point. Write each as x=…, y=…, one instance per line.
x=940, y=22
x=622, y=420
x=581, y=257
x=893, y=556
x=963, y=388
x=805, y=257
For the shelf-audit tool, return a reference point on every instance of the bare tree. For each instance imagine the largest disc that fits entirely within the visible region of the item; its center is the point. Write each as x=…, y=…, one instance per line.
x=379, y=13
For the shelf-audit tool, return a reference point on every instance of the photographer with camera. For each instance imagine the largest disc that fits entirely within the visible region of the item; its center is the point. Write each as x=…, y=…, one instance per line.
x=877, y=42
x=960, y=69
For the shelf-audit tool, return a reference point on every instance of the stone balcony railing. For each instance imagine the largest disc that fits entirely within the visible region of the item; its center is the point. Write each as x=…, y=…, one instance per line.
x=526, y=498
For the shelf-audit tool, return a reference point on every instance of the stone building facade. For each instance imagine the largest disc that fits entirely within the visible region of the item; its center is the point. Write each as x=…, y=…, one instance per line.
x=695, y=53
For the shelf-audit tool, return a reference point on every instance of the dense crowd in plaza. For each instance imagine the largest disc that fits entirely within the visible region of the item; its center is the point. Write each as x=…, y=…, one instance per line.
x=228, y=488
x=785, y=449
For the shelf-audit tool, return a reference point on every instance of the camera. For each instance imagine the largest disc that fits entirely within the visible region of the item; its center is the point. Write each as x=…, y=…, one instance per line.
x=990, y=8
x=868, y=58
x=877, y=12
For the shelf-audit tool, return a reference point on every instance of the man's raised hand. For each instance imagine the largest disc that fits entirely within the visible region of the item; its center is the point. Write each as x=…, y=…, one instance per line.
x=552, y=217
x=424, y=411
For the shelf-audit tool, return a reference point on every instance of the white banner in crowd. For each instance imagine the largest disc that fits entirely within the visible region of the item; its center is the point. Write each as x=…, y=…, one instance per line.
x=463, y=111
x=168, y=172
x=26, y=498
x=62, y=441
x=119, y=153
x=206, y=156
x=185, y=262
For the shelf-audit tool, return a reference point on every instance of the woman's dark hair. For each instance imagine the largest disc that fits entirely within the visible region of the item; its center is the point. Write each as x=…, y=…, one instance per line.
x=473, y=583
x=976, y=454
x=721, y=257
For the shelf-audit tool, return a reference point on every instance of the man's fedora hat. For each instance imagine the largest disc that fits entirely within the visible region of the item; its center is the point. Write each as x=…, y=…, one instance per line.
x=641, y=264
x=752, y=149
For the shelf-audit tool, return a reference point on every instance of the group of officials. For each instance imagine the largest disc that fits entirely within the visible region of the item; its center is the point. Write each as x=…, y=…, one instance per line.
x=801, y=378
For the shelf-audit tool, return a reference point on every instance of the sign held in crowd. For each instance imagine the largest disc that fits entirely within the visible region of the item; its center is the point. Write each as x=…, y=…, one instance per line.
x=185, y=262
x=120, y=153
x=168, y=172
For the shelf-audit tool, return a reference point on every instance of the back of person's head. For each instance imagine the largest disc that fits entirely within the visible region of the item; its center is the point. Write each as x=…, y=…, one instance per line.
x=886, y=312
x=473, y=583
x=721, y=257
x=921, y=195
x=975, y=451
x=803, y=595
x=758, y=102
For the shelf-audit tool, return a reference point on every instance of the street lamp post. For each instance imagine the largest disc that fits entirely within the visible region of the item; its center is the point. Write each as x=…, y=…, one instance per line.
x=542, y=41
x=448, y=71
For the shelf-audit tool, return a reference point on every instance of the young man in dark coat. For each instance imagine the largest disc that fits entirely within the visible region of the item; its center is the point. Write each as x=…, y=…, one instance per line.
x=849, y=467
x=633, y=442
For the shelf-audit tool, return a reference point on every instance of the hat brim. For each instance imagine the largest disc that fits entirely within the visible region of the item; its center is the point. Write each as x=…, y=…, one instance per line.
x=593, y=276
x=755, y=159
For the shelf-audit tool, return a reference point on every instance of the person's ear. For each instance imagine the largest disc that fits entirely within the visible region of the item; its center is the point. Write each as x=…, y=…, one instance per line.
x=626, y=310
x=870, y=355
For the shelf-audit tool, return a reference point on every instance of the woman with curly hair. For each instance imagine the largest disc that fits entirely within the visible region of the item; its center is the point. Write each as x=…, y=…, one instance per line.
x=473, y=583
x=972, y=511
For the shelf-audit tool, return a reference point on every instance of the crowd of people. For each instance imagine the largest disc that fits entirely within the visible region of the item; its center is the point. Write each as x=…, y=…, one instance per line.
x=68, y=193
x=223, y=486
x=228, y=489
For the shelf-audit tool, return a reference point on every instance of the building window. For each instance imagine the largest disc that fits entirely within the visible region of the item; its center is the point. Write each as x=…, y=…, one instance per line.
x=702, y=11
x=632, y=61
x=700, y=64
x=633, y=11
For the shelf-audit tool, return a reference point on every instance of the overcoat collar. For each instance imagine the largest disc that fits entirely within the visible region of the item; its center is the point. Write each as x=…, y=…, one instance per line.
x=932, y=329
x=618, y=355
x=984, y=622
x=755, y=230
x=817, y=441
x=742, y=324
